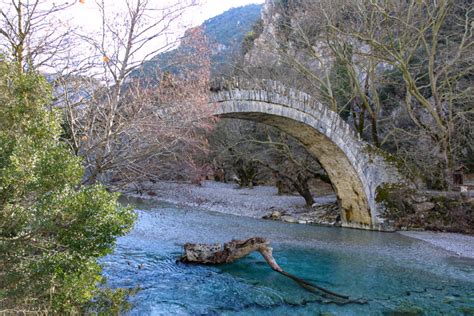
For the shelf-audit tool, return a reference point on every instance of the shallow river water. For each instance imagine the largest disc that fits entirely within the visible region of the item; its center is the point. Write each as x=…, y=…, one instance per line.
x=396, y=275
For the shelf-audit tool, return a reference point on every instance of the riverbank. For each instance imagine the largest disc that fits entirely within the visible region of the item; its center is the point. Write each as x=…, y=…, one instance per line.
x=263, y=201
x=228, y=198
x=461, y=245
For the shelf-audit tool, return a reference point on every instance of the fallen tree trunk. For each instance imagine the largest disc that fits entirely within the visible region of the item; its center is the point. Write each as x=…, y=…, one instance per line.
x=236, y=249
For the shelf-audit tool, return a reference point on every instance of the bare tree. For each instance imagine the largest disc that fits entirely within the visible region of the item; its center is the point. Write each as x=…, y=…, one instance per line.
x=122, y=126
x=430, y=44
x=131, y=130
x=32, y=35
x=256, y=153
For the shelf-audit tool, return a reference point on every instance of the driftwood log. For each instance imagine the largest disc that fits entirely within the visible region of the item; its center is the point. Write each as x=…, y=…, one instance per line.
x=219, y=254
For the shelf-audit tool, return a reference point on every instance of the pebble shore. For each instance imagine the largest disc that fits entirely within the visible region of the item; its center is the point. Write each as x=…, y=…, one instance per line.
x=229, y=198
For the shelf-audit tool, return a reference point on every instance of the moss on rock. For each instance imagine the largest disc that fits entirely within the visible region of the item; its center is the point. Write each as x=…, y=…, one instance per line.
x=389, y=158
x=405, y=206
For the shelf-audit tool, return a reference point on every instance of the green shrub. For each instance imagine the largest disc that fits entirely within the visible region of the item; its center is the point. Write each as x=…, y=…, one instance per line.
x=52, y=229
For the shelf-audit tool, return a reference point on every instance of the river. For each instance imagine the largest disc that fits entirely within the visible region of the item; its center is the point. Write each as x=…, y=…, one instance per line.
x=396, y=275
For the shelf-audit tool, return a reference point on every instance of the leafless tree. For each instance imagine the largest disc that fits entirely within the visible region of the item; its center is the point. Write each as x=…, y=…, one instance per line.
x=430, y=44
x=32, y=35
x=259, y=154
x=131, y=130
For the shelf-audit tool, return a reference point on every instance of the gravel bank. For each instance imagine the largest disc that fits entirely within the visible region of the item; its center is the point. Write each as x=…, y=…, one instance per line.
x=461, y=245
x=229, y=198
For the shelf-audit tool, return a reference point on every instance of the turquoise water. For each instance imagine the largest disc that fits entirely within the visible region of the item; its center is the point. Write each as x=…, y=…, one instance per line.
x=397, y=275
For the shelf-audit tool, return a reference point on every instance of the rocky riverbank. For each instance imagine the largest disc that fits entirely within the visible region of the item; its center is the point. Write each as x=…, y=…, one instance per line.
x=259, y=202
x=264, y=202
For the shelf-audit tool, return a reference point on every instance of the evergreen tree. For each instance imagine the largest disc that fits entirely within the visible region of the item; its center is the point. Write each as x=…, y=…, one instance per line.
x=52, y=229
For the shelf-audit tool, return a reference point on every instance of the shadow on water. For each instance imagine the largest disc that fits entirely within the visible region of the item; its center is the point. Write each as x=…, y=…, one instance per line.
x=396, y=274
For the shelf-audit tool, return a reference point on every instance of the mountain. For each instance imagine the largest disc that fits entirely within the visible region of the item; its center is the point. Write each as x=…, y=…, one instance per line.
x=225, y=33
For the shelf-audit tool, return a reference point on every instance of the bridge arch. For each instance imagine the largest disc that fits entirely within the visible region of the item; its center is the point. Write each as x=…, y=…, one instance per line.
x=355, y=169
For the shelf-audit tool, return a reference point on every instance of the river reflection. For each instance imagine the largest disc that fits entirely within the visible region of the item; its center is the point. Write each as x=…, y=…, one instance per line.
x=396, y=274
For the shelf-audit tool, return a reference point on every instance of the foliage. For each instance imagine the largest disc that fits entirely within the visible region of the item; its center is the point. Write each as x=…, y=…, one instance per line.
x=52, y=229
x=340, y=81
x=111, y=301
x=251, y=36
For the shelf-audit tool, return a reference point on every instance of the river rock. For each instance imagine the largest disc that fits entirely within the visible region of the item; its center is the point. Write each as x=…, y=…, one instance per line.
x=275, y=215
x=289, y=219
x=419, y=198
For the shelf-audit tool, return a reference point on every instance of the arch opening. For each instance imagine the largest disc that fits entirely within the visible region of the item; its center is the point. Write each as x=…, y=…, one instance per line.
x=355, y=209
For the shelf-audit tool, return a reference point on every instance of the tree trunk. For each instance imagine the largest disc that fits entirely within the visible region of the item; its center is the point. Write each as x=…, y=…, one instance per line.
x=246, y=172
x=375, y=135
x=302, y=187
x=358, y=119
x=448, y=161
x=283, y=185
x=236, y=249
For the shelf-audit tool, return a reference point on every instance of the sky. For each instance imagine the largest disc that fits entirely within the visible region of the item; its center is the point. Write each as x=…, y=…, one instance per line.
x=86, y=15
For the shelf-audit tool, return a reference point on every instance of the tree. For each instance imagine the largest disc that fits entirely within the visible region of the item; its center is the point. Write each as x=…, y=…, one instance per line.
x=129, y=129
x=112, y=118
x=260, y=154
x=134, y=130
x=291, y=165
x=30, y=36
x=322, y=64
x=430, y=44
x=52, y=229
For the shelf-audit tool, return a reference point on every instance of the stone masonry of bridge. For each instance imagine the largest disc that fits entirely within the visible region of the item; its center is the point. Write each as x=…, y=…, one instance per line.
x=355, y=168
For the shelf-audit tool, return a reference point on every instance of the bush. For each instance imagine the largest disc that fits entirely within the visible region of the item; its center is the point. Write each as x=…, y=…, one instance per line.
x=52, y=229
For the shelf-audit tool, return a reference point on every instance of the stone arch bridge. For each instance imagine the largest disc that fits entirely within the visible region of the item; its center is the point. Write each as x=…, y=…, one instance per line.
x=355, y=168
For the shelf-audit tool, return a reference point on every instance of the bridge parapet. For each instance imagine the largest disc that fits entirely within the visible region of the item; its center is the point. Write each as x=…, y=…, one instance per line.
x=274, y=92
x=266, y=85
